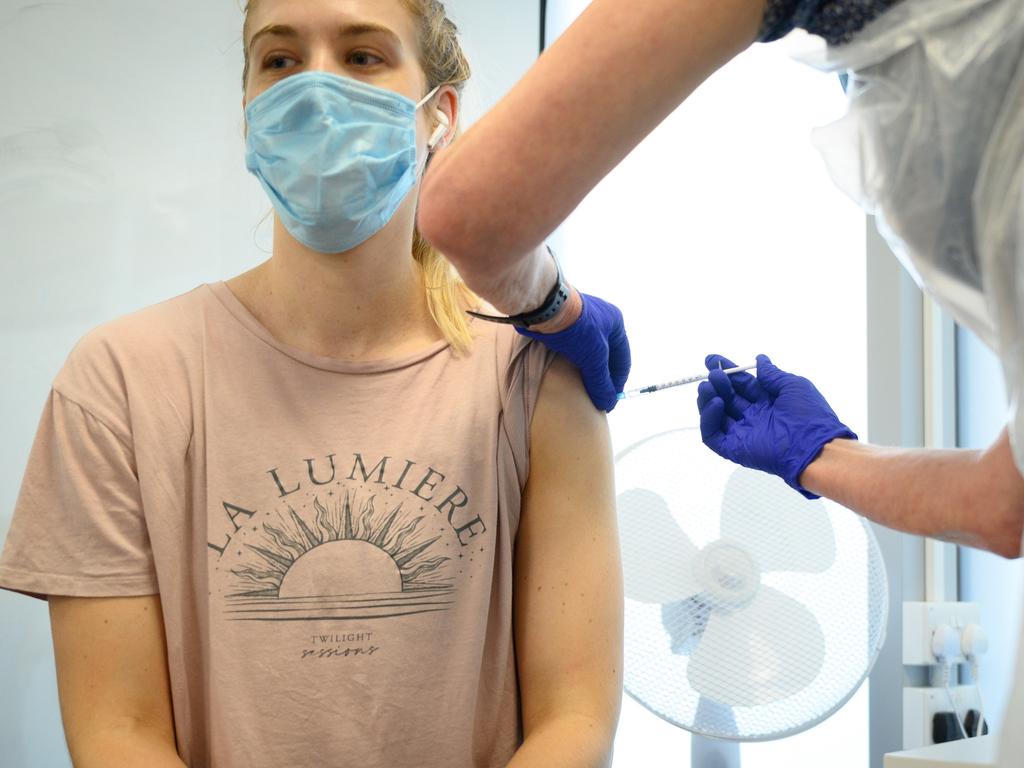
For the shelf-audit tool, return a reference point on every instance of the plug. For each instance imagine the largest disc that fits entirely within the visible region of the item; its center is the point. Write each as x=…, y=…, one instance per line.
x=972, y=721
x=946, y=649
x=945, y=728
x=945, y=644
x=973, y=644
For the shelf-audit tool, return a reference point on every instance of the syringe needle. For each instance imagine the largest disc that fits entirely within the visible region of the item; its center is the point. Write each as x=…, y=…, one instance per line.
x=680, y=382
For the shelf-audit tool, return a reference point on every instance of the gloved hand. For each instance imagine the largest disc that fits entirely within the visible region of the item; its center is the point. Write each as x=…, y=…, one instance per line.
x=777, y=422
x=596, y=344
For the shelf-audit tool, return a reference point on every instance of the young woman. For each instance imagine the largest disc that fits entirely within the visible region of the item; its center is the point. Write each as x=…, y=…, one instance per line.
x=310, y=515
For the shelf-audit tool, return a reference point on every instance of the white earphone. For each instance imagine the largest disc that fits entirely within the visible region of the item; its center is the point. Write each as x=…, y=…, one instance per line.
x=441, y=130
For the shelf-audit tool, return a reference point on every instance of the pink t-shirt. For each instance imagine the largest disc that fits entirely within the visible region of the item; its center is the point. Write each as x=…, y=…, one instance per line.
x=332, y=541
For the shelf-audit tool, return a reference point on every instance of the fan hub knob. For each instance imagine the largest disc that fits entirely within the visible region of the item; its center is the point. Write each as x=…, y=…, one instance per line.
x=728, y=573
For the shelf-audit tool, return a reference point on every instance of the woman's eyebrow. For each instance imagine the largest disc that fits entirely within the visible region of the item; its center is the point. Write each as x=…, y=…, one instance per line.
x=349, y=30
x=280, y=30
x=369, y=28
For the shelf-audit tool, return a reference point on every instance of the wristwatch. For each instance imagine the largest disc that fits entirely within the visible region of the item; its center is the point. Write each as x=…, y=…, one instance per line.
x=554, y=301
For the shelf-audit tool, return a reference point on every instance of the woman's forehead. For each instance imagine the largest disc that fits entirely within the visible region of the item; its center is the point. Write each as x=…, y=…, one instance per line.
x=308, y=17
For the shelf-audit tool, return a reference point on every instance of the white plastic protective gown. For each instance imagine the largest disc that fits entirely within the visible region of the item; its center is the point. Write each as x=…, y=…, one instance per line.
x=933, y=146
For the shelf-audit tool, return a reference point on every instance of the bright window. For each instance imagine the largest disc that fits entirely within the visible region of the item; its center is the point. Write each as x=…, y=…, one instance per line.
x=722, y=233
x=995, y=583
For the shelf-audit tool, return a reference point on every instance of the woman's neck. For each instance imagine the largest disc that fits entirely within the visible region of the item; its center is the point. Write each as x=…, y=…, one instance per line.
x=365, y=304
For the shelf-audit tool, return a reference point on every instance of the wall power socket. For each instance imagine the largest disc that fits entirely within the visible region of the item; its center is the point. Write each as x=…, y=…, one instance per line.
x=920, y=620
x=920, y=705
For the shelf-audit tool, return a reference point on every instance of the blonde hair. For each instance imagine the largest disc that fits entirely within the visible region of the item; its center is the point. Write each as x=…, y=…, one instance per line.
x=444, y=63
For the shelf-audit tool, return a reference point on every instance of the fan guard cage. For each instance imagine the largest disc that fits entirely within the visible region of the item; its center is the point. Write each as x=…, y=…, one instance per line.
x=681, y=510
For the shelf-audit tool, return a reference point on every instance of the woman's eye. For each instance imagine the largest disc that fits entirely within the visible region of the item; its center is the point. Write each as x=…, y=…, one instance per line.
x=364, y=59
x=278, y=62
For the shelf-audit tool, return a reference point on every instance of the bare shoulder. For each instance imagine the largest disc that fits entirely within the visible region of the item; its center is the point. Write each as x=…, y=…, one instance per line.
x=563, y=406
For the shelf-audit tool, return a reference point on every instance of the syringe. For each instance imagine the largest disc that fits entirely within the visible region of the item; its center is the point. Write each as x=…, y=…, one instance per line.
x=680, y=382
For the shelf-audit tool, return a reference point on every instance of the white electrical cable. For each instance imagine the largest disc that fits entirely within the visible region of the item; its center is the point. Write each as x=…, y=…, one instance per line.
x=946, y=646
x=973, y=643
x=952, y=704
x=980, y=731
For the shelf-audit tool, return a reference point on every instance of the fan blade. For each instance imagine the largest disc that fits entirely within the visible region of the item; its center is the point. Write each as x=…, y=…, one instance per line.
x=771, y=649
x=684, y=621
x=781, y=529
x=657, y=557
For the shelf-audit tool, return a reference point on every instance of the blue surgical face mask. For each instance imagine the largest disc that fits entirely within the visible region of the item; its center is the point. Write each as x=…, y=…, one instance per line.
x=336, y=156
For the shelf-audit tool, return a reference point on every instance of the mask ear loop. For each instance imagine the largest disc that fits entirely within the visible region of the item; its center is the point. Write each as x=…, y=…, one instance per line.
x=439, y=133
x=427, y=98
x=443, y=122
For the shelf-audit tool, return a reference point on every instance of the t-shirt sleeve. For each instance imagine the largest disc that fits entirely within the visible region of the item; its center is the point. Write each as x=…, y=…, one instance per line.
x=78, y=528
x=520, y=376
x=835, y=20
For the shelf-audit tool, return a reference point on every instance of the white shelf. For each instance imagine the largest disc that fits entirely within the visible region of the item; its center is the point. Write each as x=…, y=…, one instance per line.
x=963, y=753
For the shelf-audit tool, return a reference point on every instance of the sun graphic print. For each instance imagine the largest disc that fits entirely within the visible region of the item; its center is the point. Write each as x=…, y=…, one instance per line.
x=353, y=561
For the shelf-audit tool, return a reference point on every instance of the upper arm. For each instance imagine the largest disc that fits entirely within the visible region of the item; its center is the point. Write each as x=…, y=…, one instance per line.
x=568, y=575
x=111, y=668
x=613, y=76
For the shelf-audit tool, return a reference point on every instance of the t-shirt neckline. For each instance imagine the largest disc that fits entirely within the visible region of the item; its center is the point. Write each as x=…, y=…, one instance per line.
x=239, y=311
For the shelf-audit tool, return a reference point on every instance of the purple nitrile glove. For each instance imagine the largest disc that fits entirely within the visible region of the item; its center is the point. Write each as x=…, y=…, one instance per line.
x=596, y=344
x=777, y=423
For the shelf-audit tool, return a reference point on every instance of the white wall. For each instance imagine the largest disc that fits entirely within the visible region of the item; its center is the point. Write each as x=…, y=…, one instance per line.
x=122, y=183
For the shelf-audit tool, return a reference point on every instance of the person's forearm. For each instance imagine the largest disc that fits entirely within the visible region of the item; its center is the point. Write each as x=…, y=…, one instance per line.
x=522, y=286
x=126, y=748
x=569, y=741
x=514, y=286
x=493, y=196
x=967, y=497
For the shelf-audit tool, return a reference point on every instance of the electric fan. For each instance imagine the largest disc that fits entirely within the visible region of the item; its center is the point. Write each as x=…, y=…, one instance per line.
x=751, y=612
